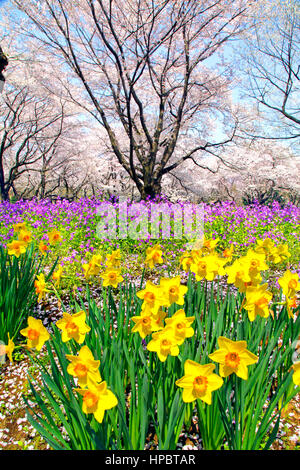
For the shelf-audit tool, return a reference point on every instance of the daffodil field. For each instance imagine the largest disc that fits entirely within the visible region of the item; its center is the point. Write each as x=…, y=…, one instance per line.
x=155, y=334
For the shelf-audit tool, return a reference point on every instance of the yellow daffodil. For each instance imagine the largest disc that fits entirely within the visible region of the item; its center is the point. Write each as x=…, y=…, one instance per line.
x=208, y=267
x=111, y=277
x=198, y=382
x=233, y=357
x=16, y=248
x=113, y=260
x=19, y=226
x=147, y=322
x=181, y=325
x=7, y=349
x=228, y=252
x=257, y=301
x=186, y=260
x=291, y=304
x=210, y=244
x=57, y=275
x=152, y=297
x=238, y=274
x=93, y=267
x=280, y=253
x=84, y=367
x=195, y=254
x=164, y=344
x=96, y=399
x=43, y=248
x=154, y=256
x=40, y=286
x=265, y=246
x=289, y=283
x=73, y=327
x=257, y=262
x=296, y=374
x=25, y=236
x=172, y=291
x=35, y=333
x=54, y=237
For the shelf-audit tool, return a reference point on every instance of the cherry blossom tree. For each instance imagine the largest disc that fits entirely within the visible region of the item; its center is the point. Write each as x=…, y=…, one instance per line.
x=270, y=62
x=24, y=127
x=152, y=74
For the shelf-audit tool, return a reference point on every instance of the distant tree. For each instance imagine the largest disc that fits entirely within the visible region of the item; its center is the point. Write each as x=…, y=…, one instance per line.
x=26, y=123
x=272, y=71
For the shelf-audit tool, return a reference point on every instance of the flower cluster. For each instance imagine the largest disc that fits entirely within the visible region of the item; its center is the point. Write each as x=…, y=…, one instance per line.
x=96, y=396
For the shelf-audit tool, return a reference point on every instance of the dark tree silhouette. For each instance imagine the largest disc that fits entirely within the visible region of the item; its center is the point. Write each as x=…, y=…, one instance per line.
x=3, y=64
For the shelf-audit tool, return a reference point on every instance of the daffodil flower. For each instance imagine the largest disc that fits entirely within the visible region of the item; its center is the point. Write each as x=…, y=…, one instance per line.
x=40, y=286
x=73, y=327
x=172, y=291
x=147, y=322
x=111, y=277
x=54, y=237
x=154, y=256
x=181, y=325
x=257, y=301
x=96, y=399
x=233, y=357
x=84, y=367
x=289, y=283
x=35, y=333
x=198, y=382
x=164, y=344
x=16, y=248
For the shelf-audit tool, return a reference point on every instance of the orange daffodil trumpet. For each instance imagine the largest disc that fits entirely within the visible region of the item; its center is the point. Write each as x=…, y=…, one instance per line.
x=233, y=357
x=198, y=382
x=25, y=236
x=43, y=248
